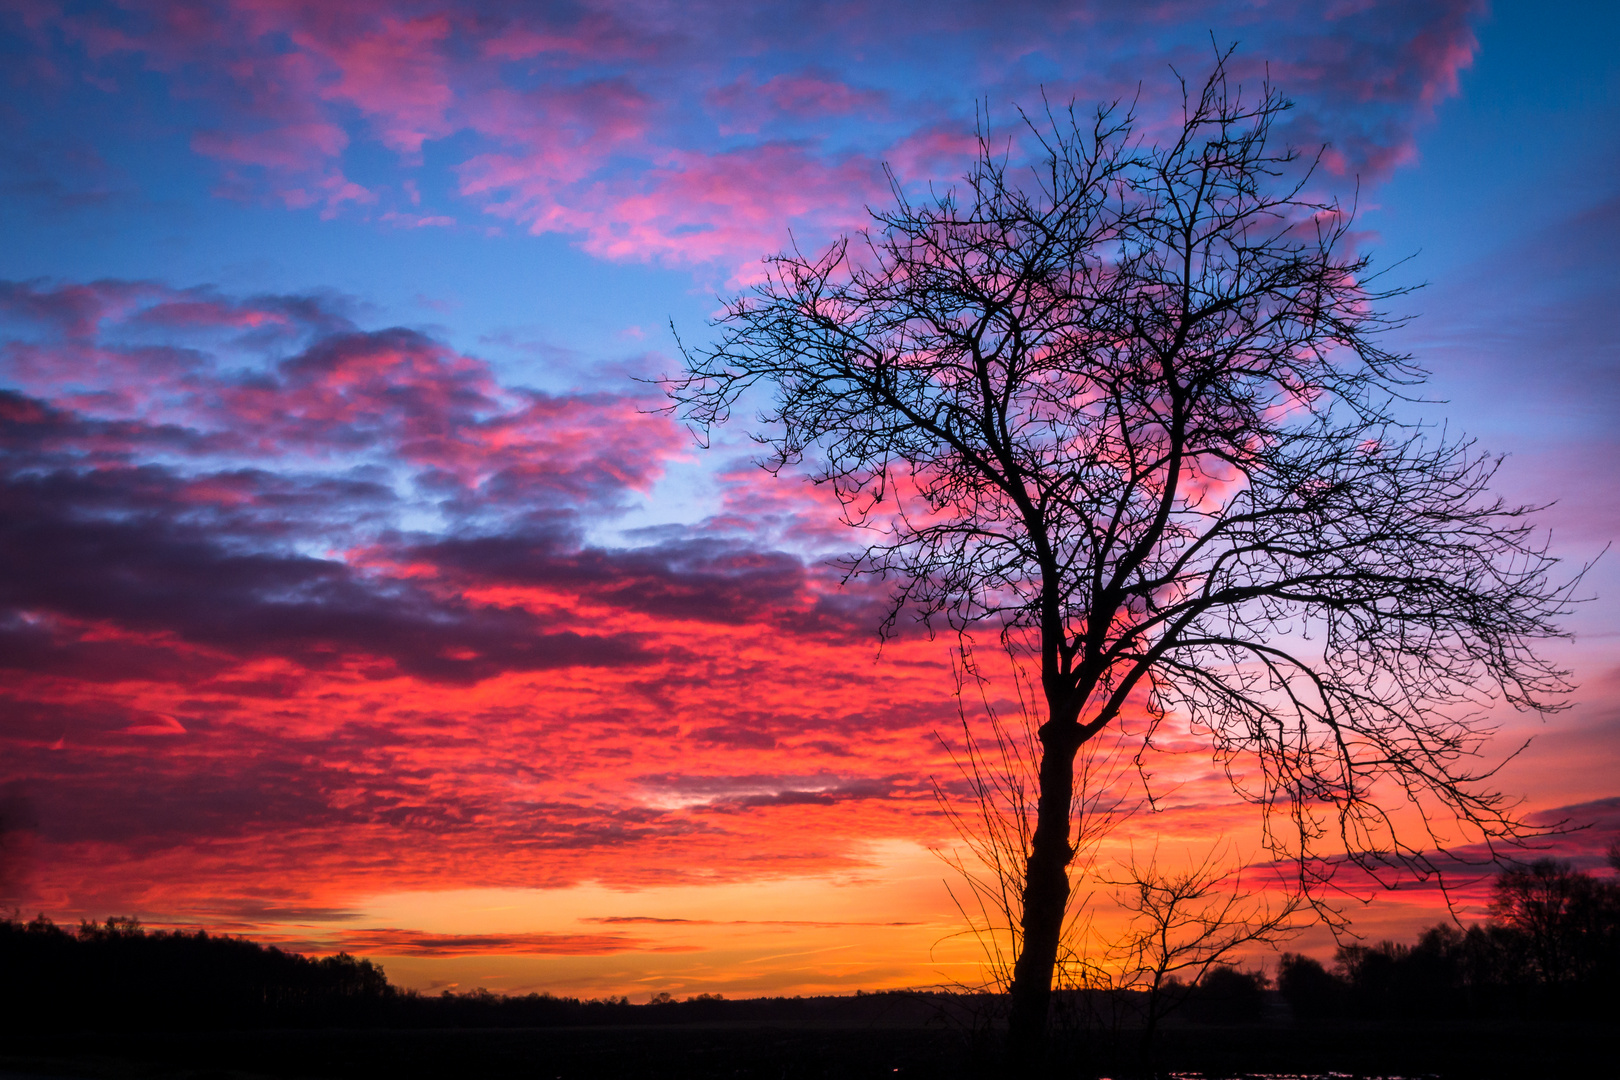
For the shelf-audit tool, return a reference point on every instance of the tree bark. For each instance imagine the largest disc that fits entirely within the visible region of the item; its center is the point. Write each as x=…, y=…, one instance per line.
x=1046, y=898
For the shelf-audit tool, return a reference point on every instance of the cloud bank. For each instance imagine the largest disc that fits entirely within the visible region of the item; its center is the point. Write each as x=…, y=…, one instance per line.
x=282, y=585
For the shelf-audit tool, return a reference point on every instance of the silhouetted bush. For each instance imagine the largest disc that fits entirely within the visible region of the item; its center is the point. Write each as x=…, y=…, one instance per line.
x=1226, y=995
x=1311, y=990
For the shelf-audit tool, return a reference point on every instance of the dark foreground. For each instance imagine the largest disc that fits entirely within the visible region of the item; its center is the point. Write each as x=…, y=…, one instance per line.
x=744, y=1052
x=117, y=1002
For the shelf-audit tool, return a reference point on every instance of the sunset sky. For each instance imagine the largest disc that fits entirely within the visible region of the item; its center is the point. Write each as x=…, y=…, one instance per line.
x=353, y=596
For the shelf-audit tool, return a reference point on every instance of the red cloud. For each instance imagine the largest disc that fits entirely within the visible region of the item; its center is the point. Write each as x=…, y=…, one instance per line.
x=304, y=604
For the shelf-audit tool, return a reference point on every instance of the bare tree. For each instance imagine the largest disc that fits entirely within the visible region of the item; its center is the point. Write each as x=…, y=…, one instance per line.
x=1187, y=922
x=1558, y=910
x=1129, y=408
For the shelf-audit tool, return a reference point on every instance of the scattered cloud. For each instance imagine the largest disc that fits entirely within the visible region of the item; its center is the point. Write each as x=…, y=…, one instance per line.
x=702, y=139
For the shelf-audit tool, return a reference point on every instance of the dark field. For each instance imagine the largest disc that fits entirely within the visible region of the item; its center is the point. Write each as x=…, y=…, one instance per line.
x=781, y=1052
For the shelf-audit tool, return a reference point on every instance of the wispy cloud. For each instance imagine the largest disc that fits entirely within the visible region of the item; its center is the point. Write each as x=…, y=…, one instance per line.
x=394, y=942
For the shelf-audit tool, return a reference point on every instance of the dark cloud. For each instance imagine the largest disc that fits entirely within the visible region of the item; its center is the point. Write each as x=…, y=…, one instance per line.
x=296, y=798
x=146, y=805
x=137, y=519
x=252, y=912
x=17, y=819
x=214, y=559
x=71, y=310
x=1586, y=831
x=615, y=920
x=736, y=734
x=393, y=942
x=127, y=546
x=712, y=580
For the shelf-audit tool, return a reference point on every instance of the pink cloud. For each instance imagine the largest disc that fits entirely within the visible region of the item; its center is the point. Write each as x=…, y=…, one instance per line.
x=714, y=207
x=749, y=105
x=316, y=386
x=397, y=76
x=622, y=127
x=418, y=221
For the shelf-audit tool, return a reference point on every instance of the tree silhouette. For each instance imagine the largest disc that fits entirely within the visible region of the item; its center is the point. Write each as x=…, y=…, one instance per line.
x=1128, y=410
x=1309, y=988
x=1187, y=926
x=1567, y=918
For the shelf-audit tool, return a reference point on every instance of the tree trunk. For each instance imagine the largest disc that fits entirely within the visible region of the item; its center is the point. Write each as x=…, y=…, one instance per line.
x=1150, y=1031
x=1046, y=898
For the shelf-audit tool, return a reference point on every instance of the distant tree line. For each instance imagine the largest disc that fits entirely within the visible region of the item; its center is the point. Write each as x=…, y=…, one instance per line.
x=118, y=975
x=1551, y=948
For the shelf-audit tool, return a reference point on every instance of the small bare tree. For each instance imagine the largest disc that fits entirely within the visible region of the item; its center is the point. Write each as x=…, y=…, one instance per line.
x=1185, y=923
x=1130, y=409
